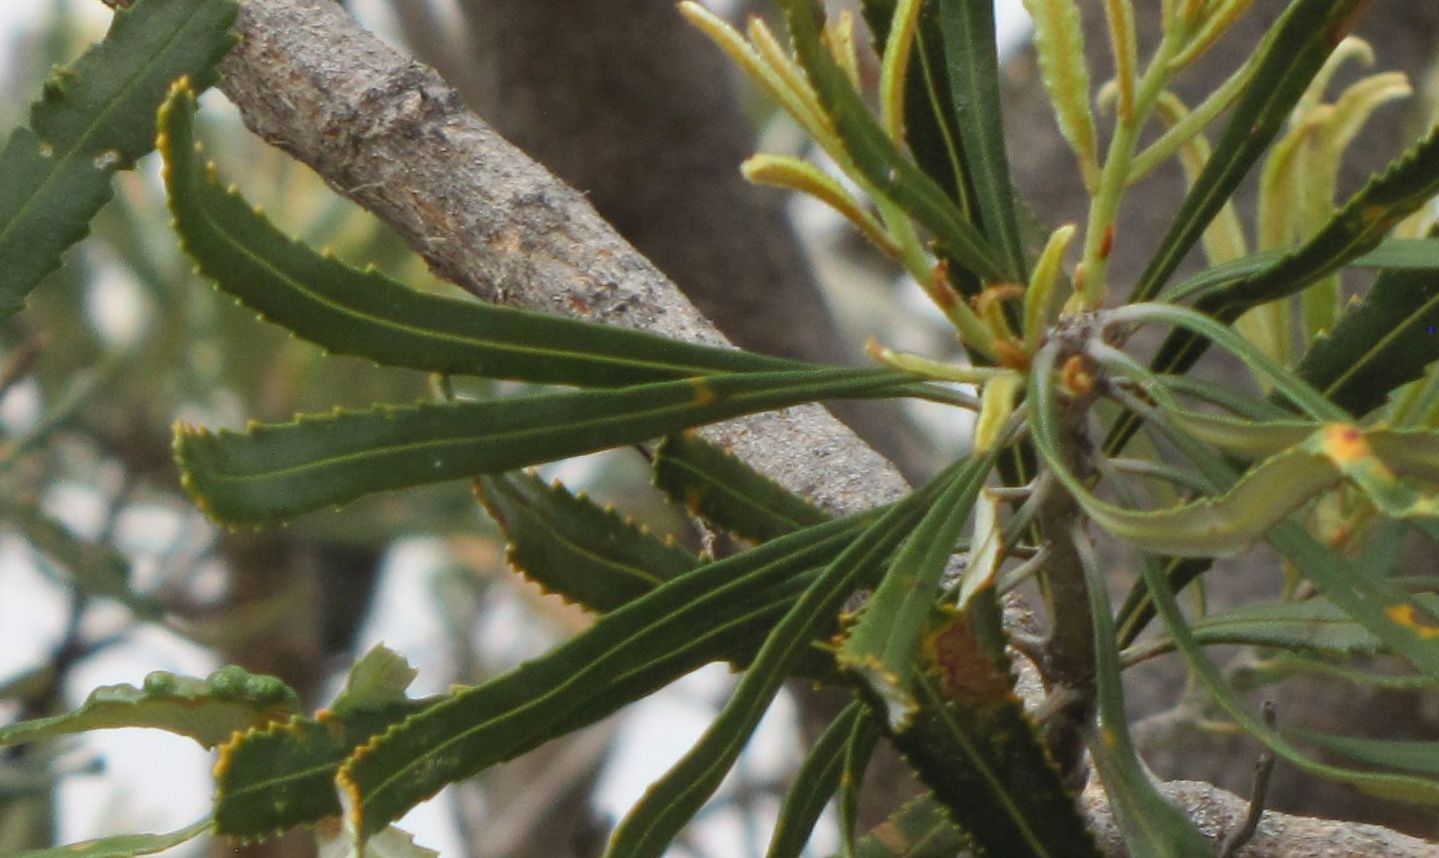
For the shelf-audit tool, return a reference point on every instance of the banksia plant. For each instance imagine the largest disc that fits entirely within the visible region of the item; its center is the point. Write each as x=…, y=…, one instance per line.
x=1325, y=448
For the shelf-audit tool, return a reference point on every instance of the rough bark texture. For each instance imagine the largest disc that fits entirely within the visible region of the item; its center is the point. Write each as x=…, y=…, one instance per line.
x=630, y=105
x=389, y=134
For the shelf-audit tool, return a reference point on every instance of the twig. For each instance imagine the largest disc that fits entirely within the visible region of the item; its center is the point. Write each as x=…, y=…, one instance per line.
x=1263, y=771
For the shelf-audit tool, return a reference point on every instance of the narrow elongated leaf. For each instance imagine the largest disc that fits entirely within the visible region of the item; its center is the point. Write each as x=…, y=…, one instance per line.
x=720, y=488
x=1195, y=327
x=122, y=846
x=1396, y=254
x=1150, y=824
x=696, y=618
x=930, y=133
x=1315, y=625
x=367, y=314
x=920, y=829
x=1384, y=342
x=1059, y=44
x=95, y=117
x=1389, y=785
x=590, y=556
x=670, y=803
x=208, y=711
x=596, y=558
x=814, y=785
x=1379, y=603
x=1211, y=527
x=879, y=159
x=281, y=470
x=1407, y=627
x=972, y=64
x=1294, y=52
x=1417, y=757
x=974, y=746
x=1358, y=227
x=881, y=646
x=858, y=751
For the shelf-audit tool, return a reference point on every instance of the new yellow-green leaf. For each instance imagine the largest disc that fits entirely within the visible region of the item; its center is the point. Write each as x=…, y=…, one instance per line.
x=121, y=846
x=209, y=711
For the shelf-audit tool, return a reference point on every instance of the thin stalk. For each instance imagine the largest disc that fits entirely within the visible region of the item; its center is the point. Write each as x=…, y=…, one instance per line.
x=1114, y=178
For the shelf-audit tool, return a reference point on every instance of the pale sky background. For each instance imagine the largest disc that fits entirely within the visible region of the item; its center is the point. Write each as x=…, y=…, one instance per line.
x=158, y=782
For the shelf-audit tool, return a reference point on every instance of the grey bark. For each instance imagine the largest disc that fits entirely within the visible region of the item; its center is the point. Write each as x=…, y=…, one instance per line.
x=627, y=103
x=389, y=134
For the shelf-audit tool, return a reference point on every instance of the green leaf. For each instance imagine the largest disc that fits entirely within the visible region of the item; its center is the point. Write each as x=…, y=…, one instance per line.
x=1292, y=54
x=1208, y=527
x=1384, y=784
x=814, y=785
x=879, y=159
x=208, y=711
x=1407, y=183
x=974, y=746
x=378, y=679
x=973, y=69
x=94, y=568
x=858, y=751
x=696, y=618
x=270, y=779
x=122, y=846
x=930, y=132
x=1417, y=757
x=881, y=647
x=1384, y=342
x=1379, y=603
x=367, y=314
x=1150, y=824
x=1315, y=625
x=595, y=557
x=1358, y=227
x=919, y=829
x=718, y=487
x=281, y=470
x=670, y=803
x=567, y=545
x=95, y=117
x=1396, y=254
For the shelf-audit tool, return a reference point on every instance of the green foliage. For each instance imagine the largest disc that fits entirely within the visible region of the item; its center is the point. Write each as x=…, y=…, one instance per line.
x=721, y=489
x=281, y=775
x=1274, y=456
x=974, y=746
x=122, y=846
x=95, y=117
x=209, y=711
